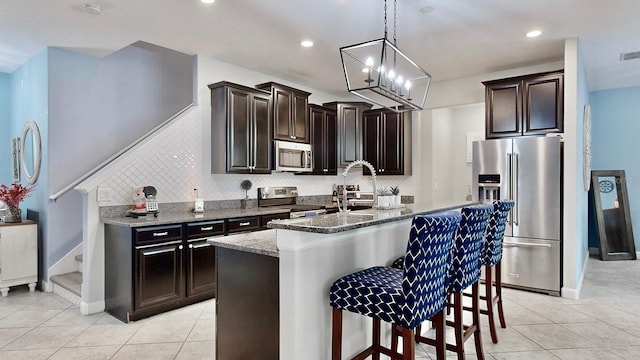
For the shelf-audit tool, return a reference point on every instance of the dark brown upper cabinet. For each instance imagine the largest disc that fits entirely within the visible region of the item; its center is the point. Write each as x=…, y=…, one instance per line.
x=525, y=105
x=387, y=141
x=289, y=112
x=323, y=139
x=349, y=118
x=240, y=129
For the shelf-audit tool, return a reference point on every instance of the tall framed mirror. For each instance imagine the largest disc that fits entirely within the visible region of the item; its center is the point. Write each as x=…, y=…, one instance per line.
x=613, y=218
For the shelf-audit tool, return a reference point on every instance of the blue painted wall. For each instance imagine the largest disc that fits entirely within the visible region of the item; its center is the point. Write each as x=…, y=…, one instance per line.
x=615, y=124
x=5, y=130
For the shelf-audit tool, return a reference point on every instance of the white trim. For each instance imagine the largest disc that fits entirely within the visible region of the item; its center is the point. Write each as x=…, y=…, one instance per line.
x=575, y=293
x=91, y=308
x=66, y=294
x=67, y=263
x=47, y=286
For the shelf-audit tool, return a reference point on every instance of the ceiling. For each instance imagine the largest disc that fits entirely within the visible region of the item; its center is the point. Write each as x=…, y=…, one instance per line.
x=457, y=39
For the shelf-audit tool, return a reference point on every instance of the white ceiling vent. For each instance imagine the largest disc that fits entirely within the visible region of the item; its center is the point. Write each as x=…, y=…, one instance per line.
x=630, y=56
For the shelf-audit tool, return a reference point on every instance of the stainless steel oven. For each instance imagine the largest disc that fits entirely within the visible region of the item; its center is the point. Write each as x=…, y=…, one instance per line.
x=286, y=197
x=294, y=157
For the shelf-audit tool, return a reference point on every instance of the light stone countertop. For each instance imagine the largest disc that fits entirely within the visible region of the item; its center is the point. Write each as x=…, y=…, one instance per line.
x=165, y=218
x=339, y=222
x=257, y=242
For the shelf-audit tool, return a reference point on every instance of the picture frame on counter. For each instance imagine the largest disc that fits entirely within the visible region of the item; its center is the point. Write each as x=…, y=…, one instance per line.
x=15, y=158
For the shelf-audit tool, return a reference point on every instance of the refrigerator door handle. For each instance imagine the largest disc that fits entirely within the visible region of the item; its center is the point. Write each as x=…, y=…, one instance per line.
x=514, y=186
x=510, y=184
x=516, y=244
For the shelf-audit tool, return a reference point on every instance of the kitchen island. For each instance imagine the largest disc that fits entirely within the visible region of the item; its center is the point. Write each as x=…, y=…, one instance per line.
x=312, y=253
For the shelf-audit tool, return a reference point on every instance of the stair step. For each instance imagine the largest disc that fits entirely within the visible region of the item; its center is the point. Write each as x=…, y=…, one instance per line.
x=78, y=258
x=71, y=281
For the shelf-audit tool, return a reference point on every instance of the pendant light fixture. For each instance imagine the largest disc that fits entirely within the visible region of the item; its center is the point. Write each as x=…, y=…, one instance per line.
x=379, y=72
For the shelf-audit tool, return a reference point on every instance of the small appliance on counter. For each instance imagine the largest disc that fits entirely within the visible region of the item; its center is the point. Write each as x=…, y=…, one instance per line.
x=144, y=202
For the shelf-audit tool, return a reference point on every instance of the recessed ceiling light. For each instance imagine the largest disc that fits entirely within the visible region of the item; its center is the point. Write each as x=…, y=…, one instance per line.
x=534, y=33
x=92, y=9
x=306, y=43
x=207, y=1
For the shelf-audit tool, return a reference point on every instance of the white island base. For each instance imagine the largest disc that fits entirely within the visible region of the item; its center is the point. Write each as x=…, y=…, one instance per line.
x=309, y=264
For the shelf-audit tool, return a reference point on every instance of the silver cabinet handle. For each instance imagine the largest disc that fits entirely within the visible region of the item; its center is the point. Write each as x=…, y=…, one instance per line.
x=164, y=233
x=245, y=223
x=190, y=246
x=206, y=228
x=180, y=247
x=198, y=246
x=292, y=136
x=514, y=244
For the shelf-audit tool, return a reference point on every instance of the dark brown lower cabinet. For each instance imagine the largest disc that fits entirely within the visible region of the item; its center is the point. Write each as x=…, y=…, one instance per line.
x=247, y=306
x=149, y=270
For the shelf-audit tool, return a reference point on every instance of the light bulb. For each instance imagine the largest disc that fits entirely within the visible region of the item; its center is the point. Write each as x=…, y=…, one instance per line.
x=391, y=74
x=369, y=62
x=399, y=80
x=407, y=85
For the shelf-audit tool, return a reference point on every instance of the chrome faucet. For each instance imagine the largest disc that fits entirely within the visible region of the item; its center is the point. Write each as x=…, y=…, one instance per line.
x=344, y=187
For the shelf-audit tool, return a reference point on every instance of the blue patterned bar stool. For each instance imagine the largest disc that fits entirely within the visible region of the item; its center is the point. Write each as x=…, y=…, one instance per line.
x=490, y=257
x=463, y=271
x=403, y=297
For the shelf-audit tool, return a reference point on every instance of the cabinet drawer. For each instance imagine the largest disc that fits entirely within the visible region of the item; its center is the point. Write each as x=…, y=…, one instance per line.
x=251, y=223
x=205, y=229
x=157, y=234
x=264, y=219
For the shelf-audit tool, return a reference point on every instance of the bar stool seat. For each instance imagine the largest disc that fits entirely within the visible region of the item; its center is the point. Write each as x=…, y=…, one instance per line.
x=404, y=297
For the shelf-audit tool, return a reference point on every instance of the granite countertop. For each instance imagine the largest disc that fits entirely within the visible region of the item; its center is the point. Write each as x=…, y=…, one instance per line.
x=257, y=242
x=339, y=222
x=165, y=218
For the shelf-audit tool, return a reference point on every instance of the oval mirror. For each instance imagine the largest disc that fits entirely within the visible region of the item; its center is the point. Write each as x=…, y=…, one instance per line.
x=30, y=152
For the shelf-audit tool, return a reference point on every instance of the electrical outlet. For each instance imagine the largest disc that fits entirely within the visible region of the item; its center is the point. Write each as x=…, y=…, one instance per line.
x=104, y=194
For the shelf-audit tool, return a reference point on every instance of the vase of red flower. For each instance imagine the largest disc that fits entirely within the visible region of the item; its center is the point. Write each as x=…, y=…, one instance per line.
x=12, y=197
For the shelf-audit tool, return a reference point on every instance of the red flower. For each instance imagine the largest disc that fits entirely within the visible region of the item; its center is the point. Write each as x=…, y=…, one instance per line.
x=12, y=196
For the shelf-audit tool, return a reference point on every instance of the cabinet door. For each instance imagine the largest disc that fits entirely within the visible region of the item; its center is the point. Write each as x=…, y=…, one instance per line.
x=371, y=135
x=282, y=101
x=201, y=268
x=261, y=139
x=350, y=123
x=299, y=131
x=239, y=143
x=391, y=156
x=330, y=143
x=318, y=140
x=159, y=275
x=543, y=105
x=503, y=109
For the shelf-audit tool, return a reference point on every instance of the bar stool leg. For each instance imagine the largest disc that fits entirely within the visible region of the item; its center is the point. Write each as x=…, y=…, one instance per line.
x=475, y=294
x=376, y=339
x=458, y=324
x=503, y=324
x=336, y=339
x=489, y=300
x=439, y=322
x=408, y=344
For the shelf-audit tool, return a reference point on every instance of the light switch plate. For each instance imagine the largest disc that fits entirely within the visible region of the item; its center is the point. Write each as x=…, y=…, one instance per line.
x=104, y=194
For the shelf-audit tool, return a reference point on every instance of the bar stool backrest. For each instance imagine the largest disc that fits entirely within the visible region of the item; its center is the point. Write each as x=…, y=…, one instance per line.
x=424, y=266
x=464, y=264
x=492, y=249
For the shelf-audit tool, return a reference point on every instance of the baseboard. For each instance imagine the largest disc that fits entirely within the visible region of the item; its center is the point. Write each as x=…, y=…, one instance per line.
x=594, y=251
x=66, y=294
x=91, y=308
x=47, y=286
x=571, y=293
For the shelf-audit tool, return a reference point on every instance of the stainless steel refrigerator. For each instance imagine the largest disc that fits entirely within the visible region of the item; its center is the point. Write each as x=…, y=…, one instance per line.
x=527, y=170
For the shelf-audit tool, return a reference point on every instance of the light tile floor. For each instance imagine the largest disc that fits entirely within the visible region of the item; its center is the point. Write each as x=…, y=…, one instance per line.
x=600, y=325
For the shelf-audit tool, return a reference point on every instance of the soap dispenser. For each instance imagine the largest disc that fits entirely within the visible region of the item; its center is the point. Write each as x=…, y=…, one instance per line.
x=198, y=205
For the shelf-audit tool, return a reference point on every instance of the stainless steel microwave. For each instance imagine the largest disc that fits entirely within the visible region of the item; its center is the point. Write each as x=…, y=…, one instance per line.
x=294, y=157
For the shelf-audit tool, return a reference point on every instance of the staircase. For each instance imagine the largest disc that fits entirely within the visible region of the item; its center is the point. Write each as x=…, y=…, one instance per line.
x=69, y=285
